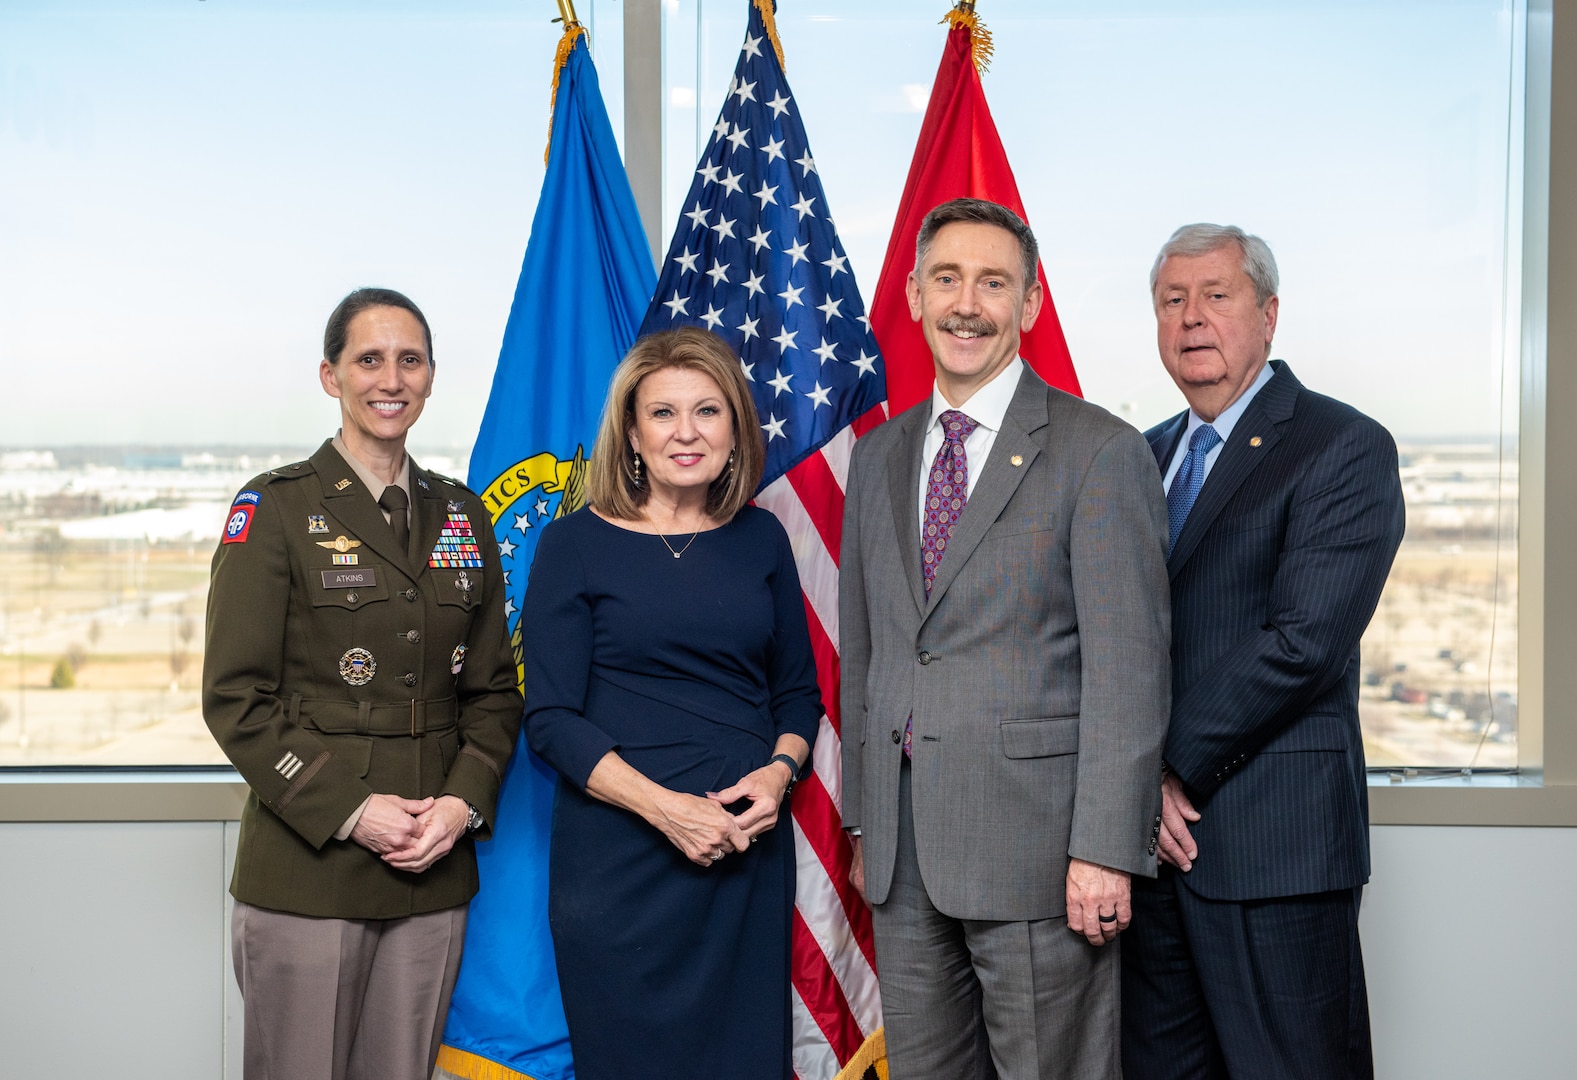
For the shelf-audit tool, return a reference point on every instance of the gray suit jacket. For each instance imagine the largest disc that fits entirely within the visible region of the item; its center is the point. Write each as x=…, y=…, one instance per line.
x=1037, y=671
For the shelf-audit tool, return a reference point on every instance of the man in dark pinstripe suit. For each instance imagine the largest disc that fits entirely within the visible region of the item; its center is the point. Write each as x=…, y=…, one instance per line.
x=1285, y=512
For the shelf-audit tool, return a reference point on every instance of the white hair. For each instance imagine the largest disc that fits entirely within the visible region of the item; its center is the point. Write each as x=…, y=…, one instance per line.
x=1192, y=241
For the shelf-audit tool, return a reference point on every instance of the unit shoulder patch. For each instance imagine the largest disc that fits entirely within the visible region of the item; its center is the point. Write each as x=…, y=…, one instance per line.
x=239, y=522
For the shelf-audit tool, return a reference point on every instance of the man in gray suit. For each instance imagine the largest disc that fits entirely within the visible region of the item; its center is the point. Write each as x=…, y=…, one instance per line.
x=1004, y=638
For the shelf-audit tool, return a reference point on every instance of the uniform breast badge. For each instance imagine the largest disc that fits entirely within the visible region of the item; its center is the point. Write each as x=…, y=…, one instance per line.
x=316, y=523
x=456, y=547
x=464, y=583
x=357, y=667
x=340, y=544
x=457, y=659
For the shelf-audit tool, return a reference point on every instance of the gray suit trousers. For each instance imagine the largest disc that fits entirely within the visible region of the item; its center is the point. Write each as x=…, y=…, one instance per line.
x=970, y=999
x=344, y=999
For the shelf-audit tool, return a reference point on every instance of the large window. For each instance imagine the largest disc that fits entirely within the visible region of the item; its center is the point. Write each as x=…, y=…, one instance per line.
x=1371, y=145
x=186, y=188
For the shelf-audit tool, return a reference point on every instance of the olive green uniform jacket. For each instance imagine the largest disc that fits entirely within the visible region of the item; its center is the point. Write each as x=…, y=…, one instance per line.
x=281, y=693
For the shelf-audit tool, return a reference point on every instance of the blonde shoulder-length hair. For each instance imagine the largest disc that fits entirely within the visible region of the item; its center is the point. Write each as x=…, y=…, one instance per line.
x=610, y=481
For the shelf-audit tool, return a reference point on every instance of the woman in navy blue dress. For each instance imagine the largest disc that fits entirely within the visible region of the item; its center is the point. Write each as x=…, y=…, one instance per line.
x=669, y=679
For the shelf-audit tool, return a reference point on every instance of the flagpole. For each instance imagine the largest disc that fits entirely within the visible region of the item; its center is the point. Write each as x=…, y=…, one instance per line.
x=567, y=13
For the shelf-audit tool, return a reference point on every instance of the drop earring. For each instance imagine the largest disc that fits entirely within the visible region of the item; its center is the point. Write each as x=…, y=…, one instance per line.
x=635, y=462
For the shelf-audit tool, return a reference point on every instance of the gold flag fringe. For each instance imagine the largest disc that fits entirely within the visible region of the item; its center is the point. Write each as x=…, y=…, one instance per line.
x=462, y=1065
x=979, y=37
x=870, y=1061
x=767, y=20
x=560, y=58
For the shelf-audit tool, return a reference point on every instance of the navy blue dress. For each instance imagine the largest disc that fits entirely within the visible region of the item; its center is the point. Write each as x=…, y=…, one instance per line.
x=690, y=669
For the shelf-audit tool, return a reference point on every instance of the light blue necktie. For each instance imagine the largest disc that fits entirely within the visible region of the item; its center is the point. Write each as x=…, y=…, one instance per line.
x=1189, y=479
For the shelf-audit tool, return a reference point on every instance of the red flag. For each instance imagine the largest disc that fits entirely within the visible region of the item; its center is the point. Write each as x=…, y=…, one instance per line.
x=959, y=154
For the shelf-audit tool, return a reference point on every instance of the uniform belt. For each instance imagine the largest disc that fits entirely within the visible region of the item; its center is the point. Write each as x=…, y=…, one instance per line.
x=414, y=718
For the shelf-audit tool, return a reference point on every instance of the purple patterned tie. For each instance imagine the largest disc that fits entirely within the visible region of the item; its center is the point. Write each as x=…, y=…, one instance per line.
x=945, y=496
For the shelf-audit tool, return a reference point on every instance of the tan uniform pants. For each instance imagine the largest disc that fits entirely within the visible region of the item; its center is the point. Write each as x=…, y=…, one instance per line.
x=344, y=999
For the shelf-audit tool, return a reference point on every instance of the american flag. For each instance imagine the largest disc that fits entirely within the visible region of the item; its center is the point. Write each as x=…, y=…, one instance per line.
x=756, y=259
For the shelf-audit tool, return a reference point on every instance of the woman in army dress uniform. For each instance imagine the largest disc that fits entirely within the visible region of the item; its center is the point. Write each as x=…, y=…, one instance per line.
x=358, y=676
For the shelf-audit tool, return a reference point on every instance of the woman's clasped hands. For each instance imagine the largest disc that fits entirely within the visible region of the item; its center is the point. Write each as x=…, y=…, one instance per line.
x=704, y=828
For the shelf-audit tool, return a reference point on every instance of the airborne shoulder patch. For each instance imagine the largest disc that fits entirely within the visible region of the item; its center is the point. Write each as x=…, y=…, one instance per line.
x=239, y=522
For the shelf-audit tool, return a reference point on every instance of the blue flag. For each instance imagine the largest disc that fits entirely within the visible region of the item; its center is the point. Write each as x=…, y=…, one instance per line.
x=584, y=285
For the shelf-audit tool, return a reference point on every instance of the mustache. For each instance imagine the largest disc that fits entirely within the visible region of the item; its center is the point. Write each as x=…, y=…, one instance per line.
x=969, y=324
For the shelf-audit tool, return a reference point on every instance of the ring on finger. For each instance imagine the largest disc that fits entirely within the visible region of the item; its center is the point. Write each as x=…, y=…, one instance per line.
x=716, y=855
x=1108, y=919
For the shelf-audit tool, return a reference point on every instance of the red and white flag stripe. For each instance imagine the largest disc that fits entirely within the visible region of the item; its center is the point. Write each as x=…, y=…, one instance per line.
x=836, y=1001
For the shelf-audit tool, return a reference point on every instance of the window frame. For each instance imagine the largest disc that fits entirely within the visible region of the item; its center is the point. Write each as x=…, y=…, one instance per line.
x=1545, y=791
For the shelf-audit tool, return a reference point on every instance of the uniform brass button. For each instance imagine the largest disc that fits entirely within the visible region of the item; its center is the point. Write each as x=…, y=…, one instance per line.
x=413, y=636
x=925, y=657
x=350, y=598
x=409, y=678
x=411, y=594
x=897, y=738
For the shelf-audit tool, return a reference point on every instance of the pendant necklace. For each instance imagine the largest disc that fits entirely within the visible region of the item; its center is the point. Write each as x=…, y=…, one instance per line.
x=664, y=539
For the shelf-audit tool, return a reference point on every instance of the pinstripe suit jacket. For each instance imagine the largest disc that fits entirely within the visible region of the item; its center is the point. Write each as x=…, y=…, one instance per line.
x=1035, y=670
x=1274, y=578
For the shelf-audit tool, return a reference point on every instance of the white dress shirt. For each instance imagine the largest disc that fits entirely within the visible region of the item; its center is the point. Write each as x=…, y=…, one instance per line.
x=1223, y=424
x=986, y=407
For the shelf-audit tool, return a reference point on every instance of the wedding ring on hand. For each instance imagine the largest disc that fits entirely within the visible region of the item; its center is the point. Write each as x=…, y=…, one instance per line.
x=1107, y=918
x=716, y=856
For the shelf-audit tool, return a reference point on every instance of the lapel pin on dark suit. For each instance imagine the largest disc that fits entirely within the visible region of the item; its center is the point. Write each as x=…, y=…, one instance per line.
x=1255, y=441
x=1016, y=460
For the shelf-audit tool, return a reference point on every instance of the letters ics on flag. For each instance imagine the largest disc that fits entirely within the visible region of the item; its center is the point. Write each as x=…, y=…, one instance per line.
x=959, y=153
x=756, y=259
x=584, y=283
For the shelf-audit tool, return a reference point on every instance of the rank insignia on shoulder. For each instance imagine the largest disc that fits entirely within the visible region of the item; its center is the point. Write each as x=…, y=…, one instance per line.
x=343, y=560
x=317, y=524
x=457, y=659
x=340, y=543
x=357, y=667
x=342, y=485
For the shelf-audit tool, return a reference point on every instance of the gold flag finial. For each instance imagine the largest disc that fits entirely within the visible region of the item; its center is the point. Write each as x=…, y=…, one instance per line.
x=980, y=47
x=572, y=30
